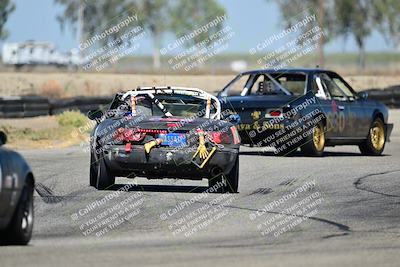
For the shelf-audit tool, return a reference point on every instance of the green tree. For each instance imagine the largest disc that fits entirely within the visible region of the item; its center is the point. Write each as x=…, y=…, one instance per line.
x=6, y=8
x=293, y=11
x=354, y=17
x=346, y=18
x=90, y=17
x=156, y=16
x=190, y=15
x=386, y=15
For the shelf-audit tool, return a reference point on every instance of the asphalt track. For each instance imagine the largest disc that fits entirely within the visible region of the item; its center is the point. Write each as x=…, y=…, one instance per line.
x=339, y=210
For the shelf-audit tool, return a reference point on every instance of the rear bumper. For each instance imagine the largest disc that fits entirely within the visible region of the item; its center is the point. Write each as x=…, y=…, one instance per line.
x=259, y=135
x=167, y=162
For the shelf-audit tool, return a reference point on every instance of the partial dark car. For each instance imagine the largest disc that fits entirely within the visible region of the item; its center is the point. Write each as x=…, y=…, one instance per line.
x=304, y=108
x=164, y=132
x=16, y=197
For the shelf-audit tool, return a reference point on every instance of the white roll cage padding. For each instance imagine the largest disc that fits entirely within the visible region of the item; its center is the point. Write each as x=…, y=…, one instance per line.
x=194, y=92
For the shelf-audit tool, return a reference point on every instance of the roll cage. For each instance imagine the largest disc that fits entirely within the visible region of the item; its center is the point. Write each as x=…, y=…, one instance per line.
x=168, y=90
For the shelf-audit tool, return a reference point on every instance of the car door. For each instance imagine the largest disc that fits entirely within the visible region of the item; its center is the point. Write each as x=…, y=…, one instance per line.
x=233, y=95
x=359, y=121
x=5, y=192
x=335, y=106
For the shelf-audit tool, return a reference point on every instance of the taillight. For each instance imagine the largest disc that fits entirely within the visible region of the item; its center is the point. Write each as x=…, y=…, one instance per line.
x=122, y=134
x=275, y=113
x=216, y=137
x=128, y=135
x=221, y=137
x=235, y=134
x=151, y=131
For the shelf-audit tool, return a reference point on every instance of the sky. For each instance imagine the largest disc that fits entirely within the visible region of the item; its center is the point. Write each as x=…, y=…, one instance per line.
x=252, y=21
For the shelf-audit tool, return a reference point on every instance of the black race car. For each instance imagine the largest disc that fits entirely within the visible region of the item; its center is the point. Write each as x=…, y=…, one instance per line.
x=304, y=108
x=16, y=197
x=164, y=132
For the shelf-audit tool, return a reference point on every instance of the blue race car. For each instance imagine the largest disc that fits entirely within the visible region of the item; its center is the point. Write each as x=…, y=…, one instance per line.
x=304, y=108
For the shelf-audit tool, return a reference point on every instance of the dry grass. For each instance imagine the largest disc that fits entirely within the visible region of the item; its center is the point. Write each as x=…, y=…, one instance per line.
x=52, y=89
x=46, y=132
x=91, y=84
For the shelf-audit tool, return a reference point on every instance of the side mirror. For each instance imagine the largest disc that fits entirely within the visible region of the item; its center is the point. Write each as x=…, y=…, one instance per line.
x=363, y=95
x=3, y=138
x=95, y=114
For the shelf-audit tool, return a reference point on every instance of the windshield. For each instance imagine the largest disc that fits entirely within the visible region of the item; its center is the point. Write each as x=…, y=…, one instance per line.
x=267, y=84
x=176, y=104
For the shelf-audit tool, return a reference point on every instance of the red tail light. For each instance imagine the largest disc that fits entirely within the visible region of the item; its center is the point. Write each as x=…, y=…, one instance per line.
x=152, y=131
x=128, y=135
x=275, y=113
x=235, y=134
x=222, y=137
x=216, y=137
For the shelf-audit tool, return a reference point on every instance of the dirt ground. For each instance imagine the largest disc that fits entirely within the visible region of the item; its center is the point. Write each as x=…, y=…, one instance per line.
x=91, y=84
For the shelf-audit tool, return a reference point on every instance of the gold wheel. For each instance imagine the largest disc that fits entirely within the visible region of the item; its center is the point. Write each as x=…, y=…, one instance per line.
x=319, y=137
x=377, y=135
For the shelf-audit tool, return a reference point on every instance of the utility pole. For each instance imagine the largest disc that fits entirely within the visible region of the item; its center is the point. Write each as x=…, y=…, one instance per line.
x=321, y=40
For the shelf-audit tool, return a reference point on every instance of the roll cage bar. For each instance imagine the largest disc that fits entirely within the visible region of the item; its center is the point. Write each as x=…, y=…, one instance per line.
x=188, y=91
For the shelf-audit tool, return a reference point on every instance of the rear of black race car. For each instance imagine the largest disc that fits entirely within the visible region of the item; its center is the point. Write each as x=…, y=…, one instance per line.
x=158, y=148
x=282, y=122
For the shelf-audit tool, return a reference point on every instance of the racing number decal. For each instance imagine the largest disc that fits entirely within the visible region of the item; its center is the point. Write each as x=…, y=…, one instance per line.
x=341, y=122
x=336, y=121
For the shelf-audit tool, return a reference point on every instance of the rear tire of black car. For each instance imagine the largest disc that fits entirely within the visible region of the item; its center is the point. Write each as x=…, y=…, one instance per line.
x=19, y=231
x=230, y=182
x=375, y=142
x=315, y=143
x=93, y=171
x=105, y=179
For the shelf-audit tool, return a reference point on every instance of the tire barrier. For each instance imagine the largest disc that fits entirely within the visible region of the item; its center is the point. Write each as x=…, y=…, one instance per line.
x=23, y=106
x=389, y=96
x=32, y=106
x=83, y=104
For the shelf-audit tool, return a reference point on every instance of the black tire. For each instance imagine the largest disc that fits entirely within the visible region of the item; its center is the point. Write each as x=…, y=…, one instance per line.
x=105, y=179
x=367, y=147
x=230, y=181
x=19, y=232
x=93, y=170
x=233, y=178
x=313, y=147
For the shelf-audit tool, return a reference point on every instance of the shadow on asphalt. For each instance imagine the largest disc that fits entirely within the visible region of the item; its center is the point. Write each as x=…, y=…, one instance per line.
x=299, y=154
x=161, y=188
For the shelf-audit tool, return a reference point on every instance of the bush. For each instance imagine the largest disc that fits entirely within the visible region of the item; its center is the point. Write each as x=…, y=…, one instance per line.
x=72, y=119
x=52, y=89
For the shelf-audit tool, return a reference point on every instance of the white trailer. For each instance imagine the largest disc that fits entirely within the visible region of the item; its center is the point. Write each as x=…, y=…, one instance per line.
x=37, y=53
